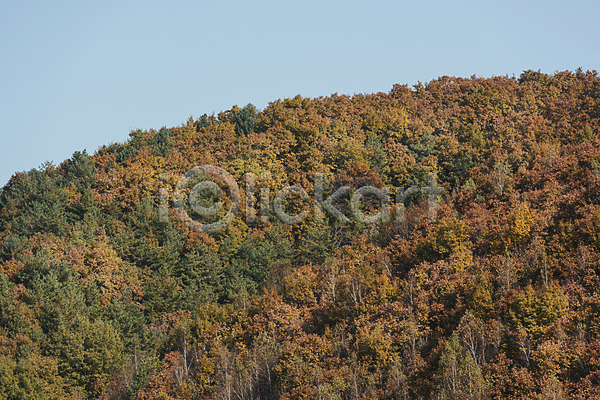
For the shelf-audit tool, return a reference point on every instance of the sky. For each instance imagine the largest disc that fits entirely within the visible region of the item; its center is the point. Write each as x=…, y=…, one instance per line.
x=77, y=75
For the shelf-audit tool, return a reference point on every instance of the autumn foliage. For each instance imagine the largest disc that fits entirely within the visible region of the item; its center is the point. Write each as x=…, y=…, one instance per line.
x=497, y=298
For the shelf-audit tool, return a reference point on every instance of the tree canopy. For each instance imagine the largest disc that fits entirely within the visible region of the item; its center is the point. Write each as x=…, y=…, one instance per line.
x=106, y=292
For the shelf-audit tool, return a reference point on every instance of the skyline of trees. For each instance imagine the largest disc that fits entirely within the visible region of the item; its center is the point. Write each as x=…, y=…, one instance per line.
x=101, y=297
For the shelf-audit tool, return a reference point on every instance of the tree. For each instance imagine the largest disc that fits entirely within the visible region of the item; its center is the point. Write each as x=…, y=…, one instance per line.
x=535, y=310
x=471, y=332
x=501, y=175
x=245, y=120
x=460, y=376
x=87, y=353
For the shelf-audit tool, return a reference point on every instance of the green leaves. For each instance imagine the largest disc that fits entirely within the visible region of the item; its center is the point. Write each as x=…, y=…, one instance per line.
x=87, y=352
x=256, y=256
x=535, y=310
x=245, y=120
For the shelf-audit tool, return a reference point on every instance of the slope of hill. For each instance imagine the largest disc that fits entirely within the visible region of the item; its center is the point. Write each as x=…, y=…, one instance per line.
x=131, y=273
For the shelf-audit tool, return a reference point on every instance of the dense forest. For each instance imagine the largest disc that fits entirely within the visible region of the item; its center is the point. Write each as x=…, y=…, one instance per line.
x=107, y=292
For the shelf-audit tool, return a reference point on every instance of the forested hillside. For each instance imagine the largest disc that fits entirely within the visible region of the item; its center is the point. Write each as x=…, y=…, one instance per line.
x=107, y=292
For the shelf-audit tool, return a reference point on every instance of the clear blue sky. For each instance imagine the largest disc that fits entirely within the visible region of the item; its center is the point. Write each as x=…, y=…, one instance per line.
x=76, y=75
